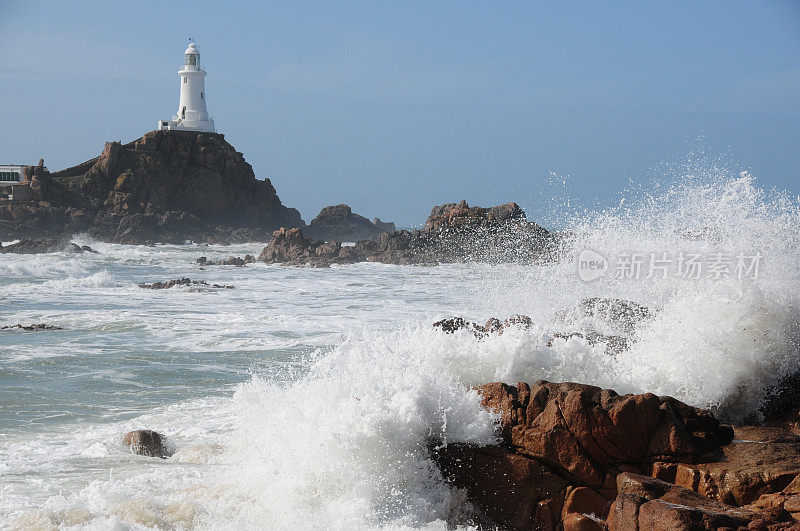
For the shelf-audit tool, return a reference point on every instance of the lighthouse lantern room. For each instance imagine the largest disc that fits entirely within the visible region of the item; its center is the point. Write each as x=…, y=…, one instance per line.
x=192, y=114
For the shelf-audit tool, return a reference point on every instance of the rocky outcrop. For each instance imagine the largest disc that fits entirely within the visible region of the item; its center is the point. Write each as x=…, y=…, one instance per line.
x=183, y=282
x=760, y=461
x=290, y=246
x=147, y=442
x=563, y=446
x=340, y=223
x=167, y=186
x=453, y=233
x=574, y=456
x=647, y=503
x=600, y=321
x=44, y=245
x=461, y=215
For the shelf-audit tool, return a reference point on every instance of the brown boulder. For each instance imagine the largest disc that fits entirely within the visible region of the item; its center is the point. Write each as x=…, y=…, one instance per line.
x=513, y=490
x=563, y=446
x=648, y=503
x=760, y=461
x=591, y=434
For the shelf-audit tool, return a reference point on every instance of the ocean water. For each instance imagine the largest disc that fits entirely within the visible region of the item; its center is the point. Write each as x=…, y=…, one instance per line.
x=309, y=398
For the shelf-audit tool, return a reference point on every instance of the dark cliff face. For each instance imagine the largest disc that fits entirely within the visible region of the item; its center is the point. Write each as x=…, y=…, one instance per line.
x=165, y=186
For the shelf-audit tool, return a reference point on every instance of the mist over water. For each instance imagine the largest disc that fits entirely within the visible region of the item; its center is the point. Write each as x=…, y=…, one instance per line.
x=309, y=398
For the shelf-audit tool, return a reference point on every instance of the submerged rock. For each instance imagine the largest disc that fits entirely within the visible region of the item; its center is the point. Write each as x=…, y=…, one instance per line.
x=492, y=326
x=183, y=282
x=147, y=442
x=32, y=327
x=600, y=314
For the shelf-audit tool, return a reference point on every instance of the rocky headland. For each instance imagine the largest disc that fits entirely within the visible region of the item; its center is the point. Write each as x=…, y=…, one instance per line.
x=454, y=232
x=168, y=186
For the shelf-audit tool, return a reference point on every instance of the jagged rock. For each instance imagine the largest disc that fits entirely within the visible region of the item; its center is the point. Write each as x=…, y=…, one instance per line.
x=760, y=461
x=168, y=186
x=339, y=223
x=32, y=327
x=498, y=234
x=648, y=503
x=460, y=215
x=42, y=245
x=290, y=246
x=593, y=433
x=559, y=438
x=232, y=260
x=183, y=282
x=147, y=442
x=492, y=326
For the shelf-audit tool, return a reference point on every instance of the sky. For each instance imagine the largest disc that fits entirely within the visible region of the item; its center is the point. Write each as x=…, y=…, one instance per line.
x=394, y=107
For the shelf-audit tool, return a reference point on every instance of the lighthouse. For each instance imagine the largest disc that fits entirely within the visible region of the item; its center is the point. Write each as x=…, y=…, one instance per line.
x=192, y=114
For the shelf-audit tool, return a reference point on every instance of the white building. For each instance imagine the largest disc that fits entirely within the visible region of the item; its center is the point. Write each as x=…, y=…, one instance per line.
x=11, y=174
x=192, y=114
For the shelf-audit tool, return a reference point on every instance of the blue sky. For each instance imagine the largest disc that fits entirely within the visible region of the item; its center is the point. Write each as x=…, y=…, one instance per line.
x=395, y=107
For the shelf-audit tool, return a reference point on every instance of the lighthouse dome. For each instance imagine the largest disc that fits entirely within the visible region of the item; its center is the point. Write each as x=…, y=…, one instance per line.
x=191, y=50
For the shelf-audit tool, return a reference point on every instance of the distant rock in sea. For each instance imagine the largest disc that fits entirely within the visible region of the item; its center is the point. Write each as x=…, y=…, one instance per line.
x=168, y=186
x=340, y=223
x=183, y=282
x=44, y=245
x=454, y=232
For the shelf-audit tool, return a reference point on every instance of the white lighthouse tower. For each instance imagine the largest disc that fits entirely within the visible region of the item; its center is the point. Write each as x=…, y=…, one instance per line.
x=192, y=114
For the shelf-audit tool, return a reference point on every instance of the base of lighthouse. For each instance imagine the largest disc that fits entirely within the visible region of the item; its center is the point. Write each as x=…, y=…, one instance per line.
x=203, y=126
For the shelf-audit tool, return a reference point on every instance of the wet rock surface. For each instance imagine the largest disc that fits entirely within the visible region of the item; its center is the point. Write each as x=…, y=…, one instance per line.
x=573, y=456
x=147, y=442
x=492, y=326
x=44, y=245
x=31, y=327
x=232, y=261
x=183, y=282
x=453, y=233
x=168, y=186
x=340, y=223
